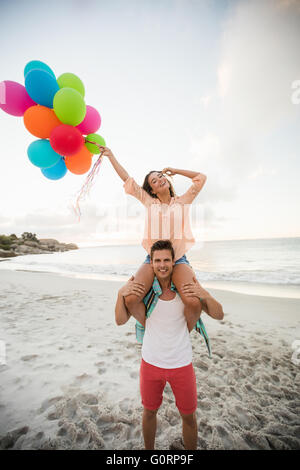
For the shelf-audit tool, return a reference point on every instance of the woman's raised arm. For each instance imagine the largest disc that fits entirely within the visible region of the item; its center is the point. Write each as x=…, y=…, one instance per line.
x=189, y=174
x=119, y=169
x=198, y=179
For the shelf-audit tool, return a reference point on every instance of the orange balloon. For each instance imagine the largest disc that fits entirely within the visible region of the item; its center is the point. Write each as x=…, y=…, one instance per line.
x=80, y=162
x=40, y=121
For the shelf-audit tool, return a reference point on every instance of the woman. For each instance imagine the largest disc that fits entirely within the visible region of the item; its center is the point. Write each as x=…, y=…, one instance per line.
x=167, y=218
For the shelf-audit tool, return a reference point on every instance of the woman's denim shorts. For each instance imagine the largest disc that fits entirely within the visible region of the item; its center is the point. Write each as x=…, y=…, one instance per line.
x=182, y=260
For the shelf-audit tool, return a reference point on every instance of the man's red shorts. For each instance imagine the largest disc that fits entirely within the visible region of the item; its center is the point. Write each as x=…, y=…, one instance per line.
x=182, y=381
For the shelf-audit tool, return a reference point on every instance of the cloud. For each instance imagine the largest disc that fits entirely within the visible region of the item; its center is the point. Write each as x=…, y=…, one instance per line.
x=98, y=222
x=261, y=171
x=259, y=61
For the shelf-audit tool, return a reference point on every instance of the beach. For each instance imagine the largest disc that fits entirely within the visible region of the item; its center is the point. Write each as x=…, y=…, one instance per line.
x=71, y=378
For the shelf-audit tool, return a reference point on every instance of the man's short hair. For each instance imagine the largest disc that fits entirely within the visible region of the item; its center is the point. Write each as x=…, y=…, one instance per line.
x=162, y=245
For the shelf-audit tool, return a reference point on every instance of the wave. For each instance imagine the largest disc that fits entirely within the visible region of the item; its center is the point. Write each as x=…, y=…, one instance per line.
x=279, y=276
x=256, y=276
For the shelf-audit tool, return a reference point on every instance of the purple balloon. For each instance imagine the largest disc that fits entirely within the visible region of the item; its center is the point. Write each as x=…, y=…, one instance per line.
x=91, y=122
x=14, y=98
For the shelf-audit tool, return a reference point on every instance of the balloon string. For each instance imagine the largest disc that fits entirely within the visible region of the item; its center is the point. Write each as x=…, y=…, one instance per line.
x=85, y=189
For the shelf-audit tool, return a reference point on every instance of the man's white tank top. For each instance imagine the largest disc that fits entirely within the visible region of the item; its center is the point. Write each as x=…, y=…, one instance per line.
x=166, y=342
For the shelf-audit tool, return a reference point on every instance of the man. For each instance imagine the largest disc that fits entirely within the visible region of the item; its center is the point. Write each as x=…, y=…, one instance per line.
x=167, y=350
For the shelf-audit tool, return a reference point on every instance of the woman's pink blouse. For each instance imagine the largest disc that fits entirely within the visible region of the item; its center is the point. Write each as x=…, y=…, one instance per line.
x=167, y=221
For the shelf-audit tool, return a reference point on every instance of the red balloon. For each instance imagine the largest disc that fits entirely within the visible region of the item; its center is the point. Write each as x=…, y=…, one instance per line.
x=66, y=140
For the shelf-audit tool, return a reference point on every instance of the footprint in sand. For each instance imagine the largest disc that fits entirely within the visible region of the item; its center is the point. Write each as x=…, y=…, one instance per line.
x=256, y=441
x=101, y=367
x=49, y=402
x=177, y=444
x=29, y=357
x=99, y=364
x=275, y=378
x=235, y=394
x=202, y=365
x=83, y=377
x=129, y=356
x=134, y=375
x=9, y=440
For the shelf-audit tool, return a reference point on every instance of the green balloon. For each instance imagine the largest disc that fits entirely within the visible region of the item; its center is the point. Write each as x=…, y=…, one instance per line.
x=69, y=106
x=69, y=80
x=94, y=138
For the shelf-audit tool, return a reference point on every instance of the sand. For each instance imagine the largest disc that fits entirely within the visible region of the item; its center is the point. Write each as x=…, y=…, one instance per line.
x=71, y=378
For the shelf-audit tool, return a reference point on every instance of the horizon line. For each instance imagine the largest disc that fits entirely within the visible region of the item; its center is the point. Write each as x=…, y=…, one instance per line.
x=134, y=243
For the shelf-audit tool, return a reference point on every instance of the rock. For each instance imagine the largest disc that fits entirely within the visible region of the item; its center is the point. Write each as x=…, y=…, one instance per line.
x=49, y=241
x=30, y=243
x=7, y=254
x=45, y=245
x=23, y=249
x=71, y=246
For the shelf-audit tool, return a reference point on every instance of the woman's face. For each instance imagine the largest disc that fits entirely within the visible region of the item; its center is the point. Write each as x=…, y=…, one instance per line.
x=158, y=182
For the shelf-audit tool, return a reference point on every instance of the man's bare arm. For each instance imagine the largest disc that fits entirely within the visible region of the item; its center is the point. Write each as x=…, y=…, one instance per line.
x=213, y=308
x=122, y=315
x=192, y=319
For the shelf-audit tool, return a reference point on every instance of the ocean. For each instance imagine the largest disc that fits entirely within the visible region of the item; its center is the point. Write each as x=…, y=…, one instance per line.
x=262, y=267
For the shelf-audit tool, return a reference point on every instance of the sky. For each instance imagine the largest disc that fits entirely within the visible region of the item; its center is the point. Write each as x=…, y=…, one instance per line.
x=197, y=85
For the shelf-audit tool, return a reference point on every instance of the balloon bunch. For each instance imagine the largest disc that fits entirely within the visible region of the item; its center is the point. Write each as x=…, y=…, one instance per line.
x=54, y=110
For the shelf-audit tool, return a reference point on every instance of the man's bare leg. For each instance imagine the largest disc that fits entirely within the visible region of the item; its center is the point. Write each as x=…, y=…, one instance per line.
x=189, y=431
x=149, y=428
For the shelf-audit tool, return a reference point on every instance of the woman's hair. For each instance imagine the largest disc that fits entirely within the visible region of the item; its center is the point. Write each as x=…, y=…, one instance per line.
x=146, y=186
x=162, y=245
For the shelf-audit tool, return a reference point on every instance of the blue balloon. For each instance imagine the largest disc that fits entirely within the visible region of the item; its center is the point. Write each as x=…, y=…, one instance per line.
x=55, y=172
x=41, y=154
x=37, y=64
x=41, y=86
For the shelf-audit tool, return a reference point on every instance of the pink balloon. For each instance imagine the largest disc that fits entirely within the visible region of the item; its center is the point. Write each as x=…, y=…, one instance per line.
x=14, y=98
x=91, y=122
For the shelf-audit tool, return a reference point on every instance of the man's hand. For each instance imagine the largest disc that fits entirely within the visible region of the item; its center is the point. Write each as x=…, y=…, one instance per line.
x=133, y=287
x=209, y=304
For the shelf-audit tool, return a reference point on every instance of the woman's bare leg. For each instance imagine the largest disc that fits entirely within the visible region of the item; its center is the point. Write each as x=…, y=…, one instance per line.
x=134, y=303
x=183, y=273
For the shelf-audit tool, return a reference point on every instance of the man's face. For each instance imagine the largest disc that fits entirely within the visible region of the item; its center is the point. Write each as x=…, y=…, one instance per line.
x=162, y=264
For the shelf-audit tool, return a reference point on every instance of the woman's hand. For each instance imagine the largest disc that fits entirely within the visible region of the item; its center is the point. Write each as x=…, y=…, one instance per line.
x=169, y=171
x=106, y=151
x=132, y=287
x=194, y=289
